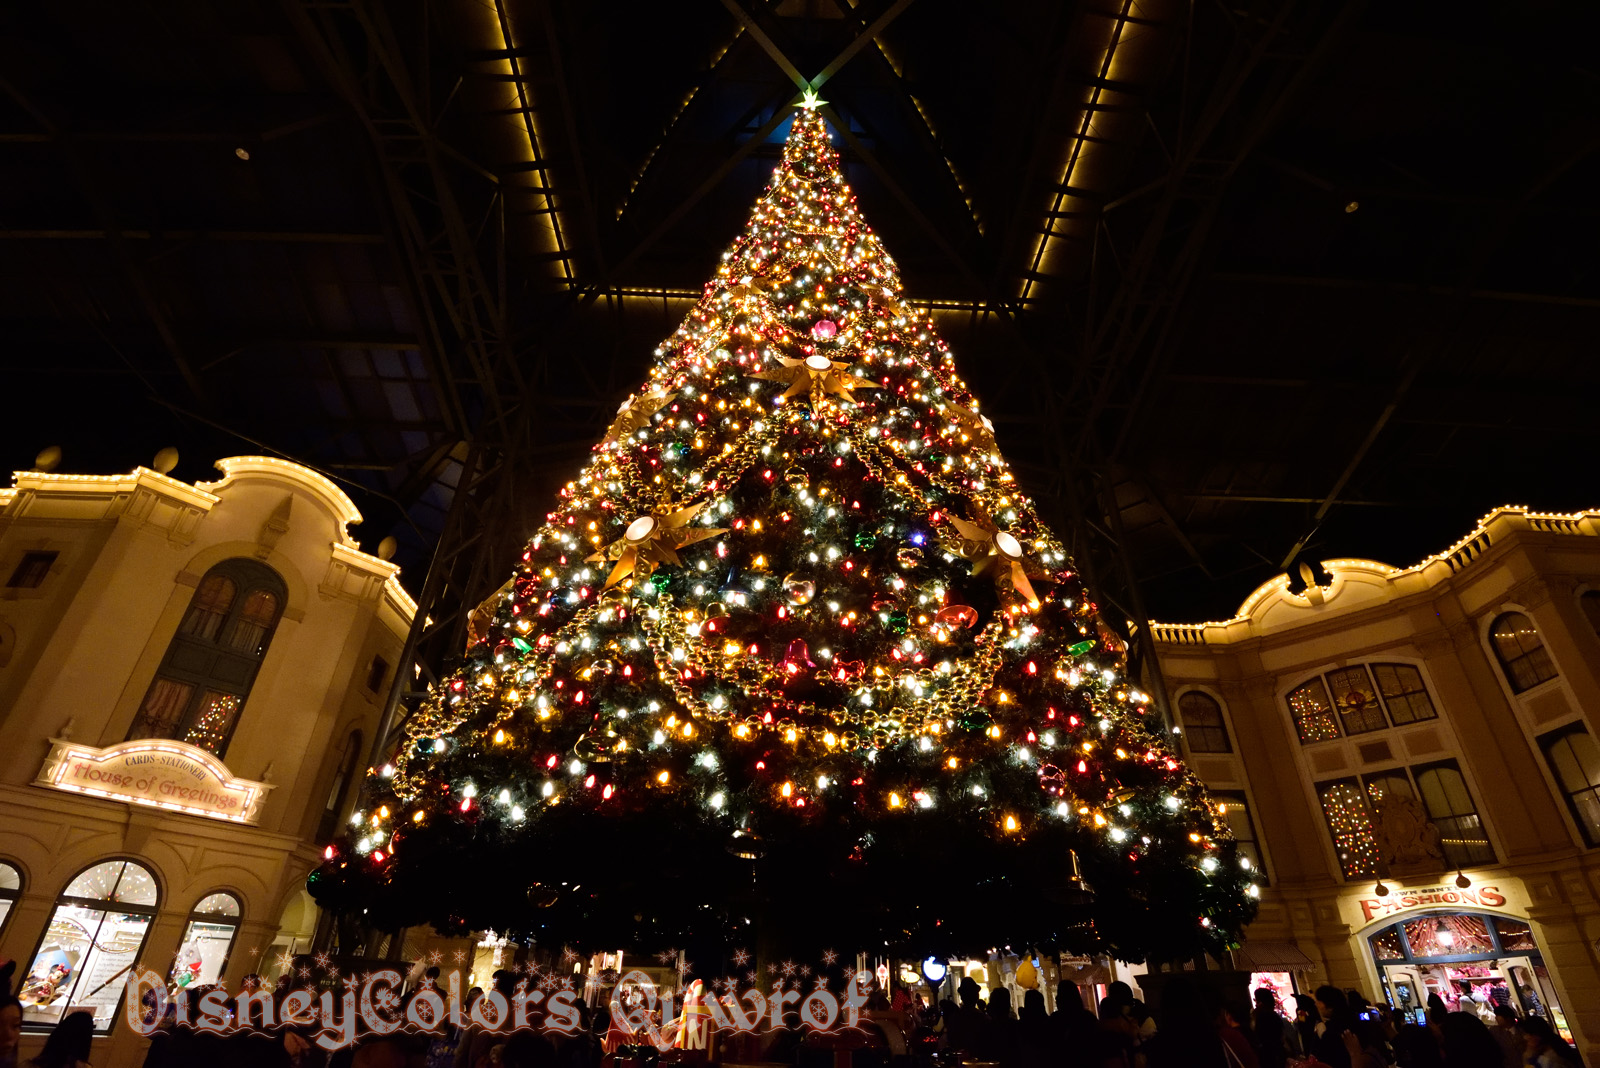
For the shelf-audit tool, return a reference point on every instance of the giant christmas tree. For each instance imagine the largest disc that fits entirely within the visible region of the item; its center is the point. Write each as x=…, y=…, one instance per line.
x=794, y=652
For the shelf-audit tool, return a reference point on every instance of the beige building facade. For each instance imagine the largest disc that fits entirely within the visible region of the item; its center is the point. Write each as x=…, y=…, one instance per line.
x=1412, y=754
x=190, y=678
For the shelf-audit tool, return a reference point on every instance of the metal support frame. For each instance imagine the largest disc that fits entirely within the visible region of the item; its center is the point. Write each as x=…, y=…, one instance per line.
x=455, y=286
x=1127, y=335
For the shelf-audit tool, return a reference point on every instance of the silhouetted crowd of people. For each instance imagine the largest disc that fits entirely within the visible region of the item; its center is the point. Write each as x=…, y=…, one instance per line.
x=1194, y=1027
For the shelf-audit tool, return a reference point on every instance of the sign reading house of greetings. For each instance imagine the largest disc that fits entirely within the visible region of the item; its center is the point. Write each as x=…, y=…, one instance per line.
x=154, y=771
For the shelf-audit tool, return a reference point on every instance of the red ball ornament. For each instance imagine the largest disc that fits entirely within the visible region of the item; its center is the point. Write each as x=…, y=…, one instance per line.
x=824, y=329
x=956, y=615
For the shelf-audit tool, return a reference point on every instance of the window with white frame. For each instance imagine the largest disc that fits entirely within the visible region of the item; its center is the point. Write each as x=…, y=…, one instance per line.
x=1521, y=652
x=207, y=940
x=10, y=889
x=93, y=939
x=1574, y=758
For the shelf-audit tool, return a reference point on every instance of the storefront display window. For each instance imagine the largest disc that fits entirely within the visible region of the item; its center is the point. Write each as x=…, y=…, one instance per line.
x=1472, y=961
x=1386, y=945
x=1444, y=936
x=207, y=941
x=1514, y=935
x=93, y=939
x=1280, y=984
x=10, y=887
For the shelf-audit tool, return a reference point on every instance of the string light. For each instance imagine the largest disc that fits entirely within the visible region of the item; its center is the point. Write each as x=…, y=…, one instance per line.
x=772, y=573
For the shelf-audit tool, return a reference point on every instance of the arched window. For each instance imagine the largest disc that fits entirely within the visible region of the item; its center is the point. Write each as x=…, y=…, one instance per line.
x=94, y=937
x=10, y=889
x=1234, y=808
x=341, y=785
x=213, y=659
x=1574, y=756
x=1521, y=652
x=1590, y=603
x=1202, y=723
x=207, y=941
x=1313, y=712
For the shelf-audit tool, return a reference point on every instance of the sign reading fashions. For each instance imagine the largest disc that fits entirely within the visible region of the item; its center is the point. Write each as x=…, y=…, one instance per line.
x=157, y=772
x=1430, y=896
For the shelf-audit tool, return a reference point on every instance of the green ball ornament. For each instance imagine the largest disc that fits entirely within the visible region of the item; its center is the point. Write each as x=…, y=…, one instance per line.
x=899, y=622
x=973, y=719
x=866, y=539
x=1081, y=648
x=660, y=580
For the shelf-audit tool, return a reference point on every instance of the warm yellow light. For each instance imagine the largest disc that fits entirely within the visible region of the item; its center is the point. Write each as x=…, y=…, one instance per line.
x=499, y=737
x=416, y=817
x=1011, y=823
x=787, y=789
x=894, y=801
x=664, y=777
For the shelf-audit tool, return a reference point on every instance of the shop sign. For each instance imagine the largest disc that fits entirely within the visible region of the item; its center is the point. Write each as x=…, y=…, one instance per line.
x=156, y=772
x=1430, y=896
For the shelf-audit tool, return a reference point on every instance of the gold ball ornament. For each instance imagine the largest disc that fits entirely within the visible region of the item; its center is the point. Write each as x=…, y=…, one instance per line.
x=166, y=460
x=1027, y=975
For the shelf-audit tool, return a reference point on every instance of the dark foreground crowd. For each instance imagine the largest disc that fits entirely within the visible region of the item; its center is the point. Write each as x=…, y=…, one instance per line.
x=1194, y=1028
